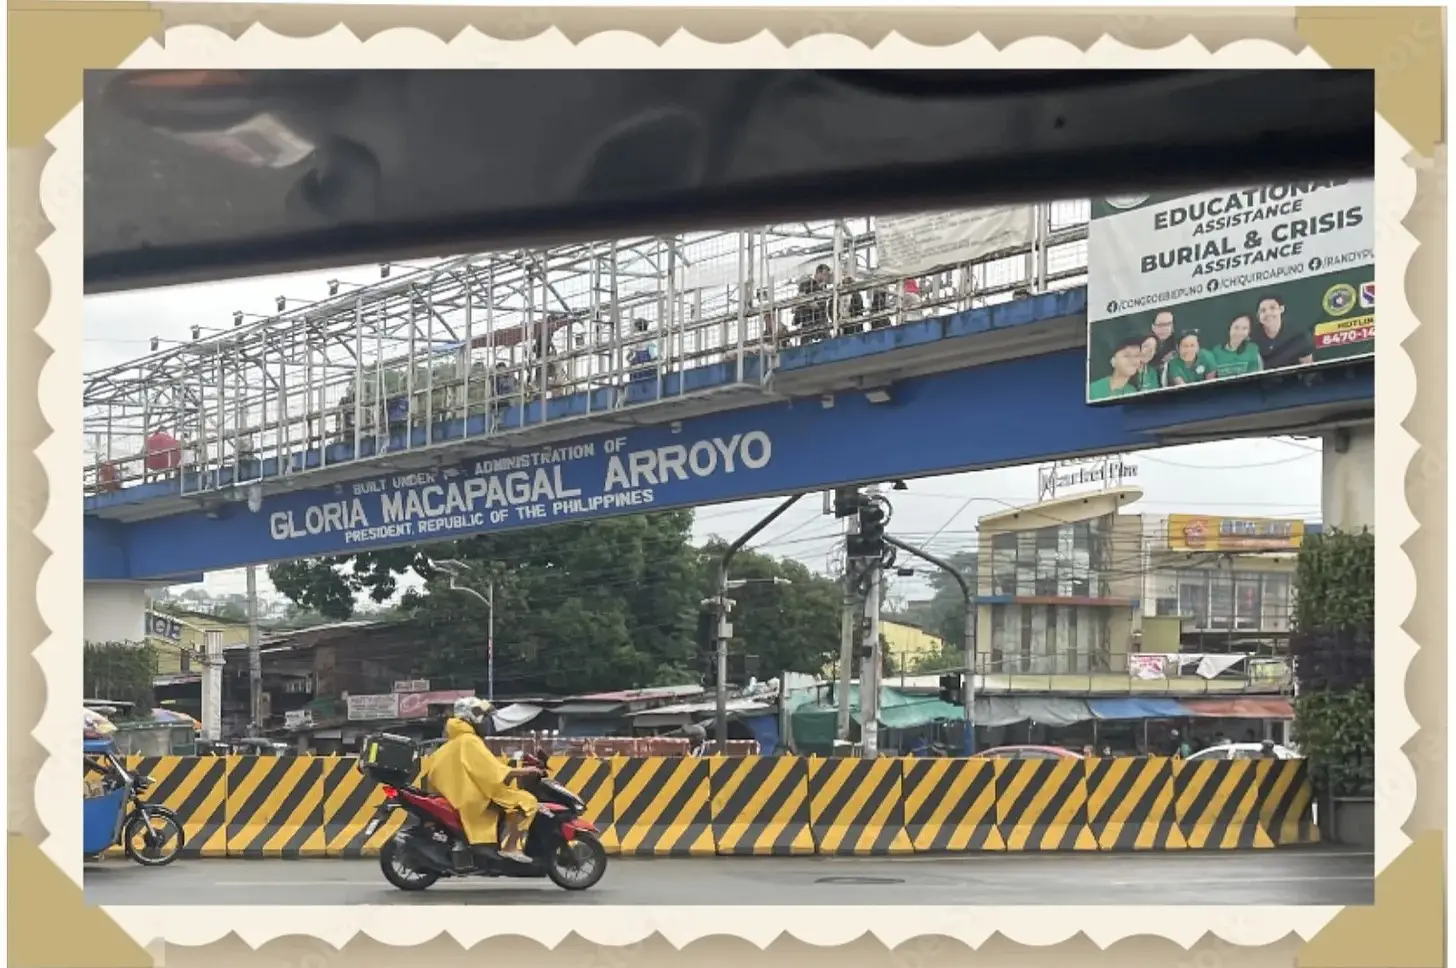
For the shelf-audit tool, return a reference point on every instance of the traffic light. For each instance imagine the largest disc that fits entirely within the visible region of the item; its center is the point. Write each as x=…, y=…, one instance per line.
x=847, y=501
x=869, y=540
x=950, y=688
x=707, y=637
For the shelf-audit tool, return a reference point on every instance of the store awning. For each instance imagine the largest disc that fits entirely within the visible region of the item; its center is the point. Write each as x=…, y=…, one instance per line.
x=1137, y=707
x=1246, y=707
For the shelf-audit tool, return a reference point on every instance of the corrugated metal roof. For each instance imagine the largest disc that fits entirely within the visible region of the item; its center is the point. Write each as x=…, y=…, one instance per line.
x=637, y=695
x=690, y=708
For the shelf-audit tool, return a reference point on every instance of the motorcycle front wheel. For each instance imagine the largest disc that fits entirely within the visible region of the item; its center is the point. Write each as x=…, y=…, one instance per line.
x=578, y=864
x=153, y=839
x=397, y=870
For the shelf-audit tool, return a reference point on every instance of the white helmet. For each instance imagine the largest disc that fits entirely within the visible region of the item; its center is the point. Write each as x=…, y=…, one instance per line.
x=472, y=710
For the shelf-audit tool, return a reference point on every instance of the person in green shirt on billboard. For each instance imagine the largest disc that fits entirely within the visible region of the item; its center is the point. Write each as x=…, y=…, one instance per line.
x=1191, y=364
x=1150, y=374
x=1126, y=361
x=1239, y=355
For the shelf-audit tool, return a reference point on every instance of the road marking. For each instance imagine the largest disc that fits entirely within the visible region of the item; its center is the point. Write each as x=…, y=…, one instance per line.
x=1368, y=879
x=352, y=883
x=994, y=855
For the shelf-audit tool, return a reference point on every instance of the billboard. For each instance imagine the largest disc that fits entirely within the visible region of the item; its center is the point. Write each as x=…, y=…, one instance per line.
x=1187, y=289
x=1203, y=532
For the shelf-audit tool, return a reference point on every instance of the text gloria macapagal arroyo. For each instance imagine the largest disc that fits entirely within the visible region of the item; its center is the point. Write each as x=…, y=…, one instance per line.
x=402, y=506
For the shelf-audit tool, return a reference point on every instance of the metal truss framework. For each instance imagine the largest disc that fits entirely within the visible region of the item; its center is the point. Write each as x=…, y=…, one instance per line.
x=470, y=337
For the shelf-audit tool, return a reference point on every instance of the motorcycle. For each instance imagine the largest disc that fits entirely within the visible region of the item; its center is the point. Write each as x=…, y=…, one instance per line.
x=562, y=845
x=150, y=834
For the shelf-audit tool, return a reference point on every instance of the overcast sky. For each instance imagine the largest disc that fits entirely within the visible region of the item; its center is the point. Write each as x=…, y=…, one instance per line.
x=1277, y=477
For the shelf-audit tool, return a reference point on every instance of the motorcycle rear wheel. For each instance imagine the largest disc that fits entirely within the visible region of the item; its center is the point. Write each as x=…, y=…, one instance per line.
x=565, y=875
x=393, y=864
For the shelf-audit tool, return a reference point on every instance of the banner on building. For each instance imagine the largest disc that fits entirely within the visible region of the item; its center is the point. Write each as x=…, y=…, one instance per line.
x=1187, y=289
x=1202, y=532
x=412, y=685
x=378, y=706
x=1147, y=665
x=164, y=627
x=416, y=705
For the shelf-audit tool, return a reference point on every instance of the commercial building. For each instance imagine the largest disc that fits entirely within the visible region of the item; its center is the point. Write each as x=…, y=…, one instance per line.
x=1059, y=587
x=1075, y=585
x=1216, y=583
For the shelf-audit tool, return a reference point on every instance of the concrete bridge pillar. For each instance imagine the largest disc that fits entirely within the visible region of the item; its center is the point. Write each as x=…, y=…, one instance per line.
x=114, y=611
x=1347, y=497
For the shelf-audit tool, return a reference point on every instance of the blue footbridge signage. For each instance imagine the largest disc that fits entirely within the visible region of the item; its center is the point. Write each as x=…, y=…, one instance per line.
x=580, y=479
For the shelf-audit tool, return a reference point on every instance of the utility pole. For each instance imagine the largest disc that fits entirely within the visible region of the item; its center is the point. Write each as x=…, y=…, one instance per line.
x=865, y=559
x=968, y=690
x=212, y=660
x=255, y=658
x=869, y=665
x=721, y=604
x=849, y=608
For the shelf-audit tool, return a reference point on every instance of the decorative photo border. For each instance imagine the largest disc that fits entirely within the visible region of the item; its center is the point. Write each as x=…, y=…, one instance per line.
x=53, y=42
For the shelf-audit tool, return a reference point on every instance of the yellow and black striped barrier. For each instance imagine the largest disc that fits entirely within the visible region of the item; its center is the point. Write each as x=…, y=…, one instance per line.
x=275, y=806
x=1130, y=803
x=1042, y=805
x=318, y=806
x=950, y=805
x=856, y=807
x=761, y=806
x=662, y=807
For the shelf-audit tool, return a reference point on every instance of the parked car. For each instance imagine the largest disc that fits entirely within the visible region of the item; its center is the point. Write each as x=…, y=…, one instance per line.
x=1028, y=753
x=1241, y=751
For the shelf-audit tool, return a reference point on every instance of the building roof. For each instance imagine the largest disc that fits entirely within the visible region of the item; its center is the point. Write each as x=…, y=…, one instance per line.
x=1059, y=508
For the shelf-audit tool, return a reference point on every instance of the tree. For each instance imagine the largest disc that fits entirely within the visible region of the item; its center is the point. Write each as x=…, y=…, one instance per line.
x=1333, y=651
x=580, y=607
x=121, y=672
x=944, y=615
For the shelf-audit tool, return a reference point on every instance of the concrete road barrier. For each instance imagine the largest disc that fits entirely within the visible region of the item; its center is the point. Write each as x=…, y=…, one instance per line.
x=654, y=806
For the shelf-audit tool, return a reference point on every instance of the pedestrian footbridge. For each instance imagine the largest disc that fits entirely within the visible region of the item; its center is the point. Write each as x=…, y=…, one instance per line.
x=508, y=391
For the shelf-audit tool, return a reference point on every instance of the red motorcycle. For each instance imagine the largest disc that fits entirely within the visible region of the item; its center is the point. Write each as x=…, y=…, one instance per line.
x=561, y=843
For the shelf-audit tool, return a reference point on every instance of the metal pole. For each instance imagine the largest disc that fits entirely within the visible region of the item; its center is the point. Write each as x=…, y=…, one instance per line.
x=212, y=660
x=847, y=608
x=720, y=718
x=255, y=657
x=490, y=643
x=968, y=694
x=869, y=668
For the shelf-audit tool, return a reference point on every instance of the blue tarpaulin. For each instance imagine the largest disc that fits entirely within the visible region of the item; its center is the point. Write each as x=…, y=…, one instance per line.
x=1137, y=707
x=765, y=731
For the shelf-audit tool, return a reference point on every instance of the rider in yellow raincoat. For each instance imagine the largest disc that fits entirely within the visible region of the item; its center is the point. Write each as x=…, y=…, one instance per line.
x=477, y=783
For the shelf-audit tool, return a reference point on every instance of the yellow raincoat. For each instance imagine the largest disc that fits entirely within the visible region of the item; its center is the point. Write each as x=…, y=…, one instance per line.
x=465, y=772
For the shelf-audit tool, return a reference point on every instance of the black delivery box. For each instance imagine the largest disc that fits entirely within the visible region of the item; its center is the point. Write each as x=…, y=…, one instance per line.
x=389, y=759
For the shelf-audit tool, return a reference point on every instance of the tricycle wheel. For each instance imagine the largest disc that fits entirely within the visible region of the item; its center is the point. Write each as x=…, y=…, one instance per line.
x=397, y=869
x=153, y=840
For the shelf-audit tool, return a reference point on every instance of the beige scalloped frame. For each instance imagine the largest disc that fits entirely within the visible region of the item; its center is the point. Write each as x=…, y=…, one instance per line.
x=52, y=41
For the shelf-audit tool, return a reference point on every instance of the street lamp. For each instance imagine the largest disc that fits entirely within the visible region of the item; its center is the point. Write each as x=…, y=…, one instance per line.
x=740, y=582
x=454, y=569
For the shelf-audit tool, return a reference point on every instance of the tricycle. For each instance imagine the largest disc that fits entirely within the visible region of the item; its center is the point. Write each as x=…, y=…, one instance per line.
x=116, y=811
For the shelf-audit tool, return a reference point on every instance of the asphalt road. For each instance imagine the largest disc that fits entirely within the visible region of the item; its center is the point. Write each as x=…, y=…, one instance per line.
x=1301, y=875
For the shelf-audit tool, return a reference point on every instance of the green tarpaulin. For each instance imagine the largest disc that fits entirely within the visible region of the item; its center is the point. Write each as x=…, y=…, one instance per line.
x=814, y=725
